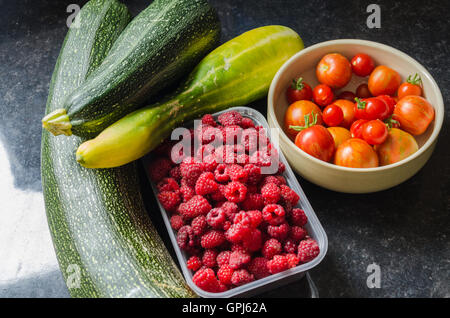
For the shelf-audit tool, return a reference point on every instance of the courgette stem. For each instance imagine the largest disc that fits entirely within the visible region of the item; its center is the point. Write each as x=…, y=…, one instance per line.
x=58, y=123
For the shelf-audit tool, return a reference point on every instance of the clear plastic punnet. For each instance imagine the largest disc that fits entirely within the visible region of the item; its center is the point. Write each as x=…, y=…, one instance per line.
x=314, y=228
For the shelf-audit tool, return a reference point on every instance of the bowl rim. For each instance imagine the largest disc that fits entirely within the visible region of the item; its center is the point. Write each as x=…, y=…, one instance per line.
x=437, y=121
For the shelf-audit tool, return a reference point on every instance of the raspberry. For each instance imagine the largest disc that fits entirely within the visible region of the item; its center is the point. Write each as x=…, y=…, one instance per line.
x=290, y=246
x=292, y=260
x=185, y=237
x=279, y=232
x=239, y=259
x=242, y=218
x=255, y=217
x=241, y=277
x=281, y=179
x=159, y=168
x=237, y=173
x=235, y=192
x=277, y=264
x=289, y=195
x=216, y=217
x=297, y=233
x=208, y=119
x=226, y=225
x=253, y=240
x=206, y=184
x=212, y=238
x=230, y=118
x=230, y=208
x=223, y=258
x=194, y=263
x=298, y=217
x=253, y=173
x=206, y=134
x=236, y=232
x=271, y=247
x=232, y=135
x=224, y=274
x=209, y=258
x=247, y=123
x=186, y=192
x=218, y=195
x=281, y=168
x=271, y=179
x=220, y=173
x=307, y=250
x=191, y=170
x=199, y=225
x=242, y=159
x=239, y=248
x=210, y=163
x=175, y=173
x=176, y=221
x=206, y=280
x=258, y=267
x=196, y=206
x=169, y=200
x=168, y=184
x=273, y=213
x=253, y=201
x=270, y=193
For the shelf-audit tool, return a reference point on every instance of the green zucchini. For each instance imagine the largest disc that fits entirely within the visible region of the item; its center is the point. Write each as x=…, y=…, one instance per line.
x=105, y=243
x=236, y=73
x=162, y=44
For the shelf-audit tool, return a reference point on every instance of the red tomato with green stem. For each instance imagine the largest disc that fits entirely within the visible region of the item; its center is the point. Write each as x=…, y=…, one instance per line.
x=295, y=115
x=323, y=95
x=357, y=128
x=314, y=139
x=412, y=86
x=384, y=81
x=374, y=132
x=334, y=70
x=371, y=108
x=362, y=64
x=298, y=90
x=332, y=115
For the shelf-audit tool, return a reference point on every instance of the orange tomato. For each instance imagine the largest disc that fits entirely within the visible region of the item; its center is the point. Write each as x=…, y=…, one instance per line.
x=295, y=115
x=398, y=146
x=334, y=70
x=348, y=108
x=412, y=86
x=339, y=135
x=384, y=81
x=356, y=153
x=414, y=113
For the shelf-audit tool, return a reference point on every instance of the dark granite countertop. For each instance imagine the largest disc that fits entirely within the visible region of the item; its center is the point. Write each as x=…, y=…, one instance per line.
x=404, y=230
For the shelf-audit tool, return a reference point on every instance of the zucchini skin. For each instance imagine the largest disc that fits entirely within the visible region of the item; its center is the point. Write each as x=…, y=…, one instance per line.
x=160, y=45
x=97, y=218
x=234, y=74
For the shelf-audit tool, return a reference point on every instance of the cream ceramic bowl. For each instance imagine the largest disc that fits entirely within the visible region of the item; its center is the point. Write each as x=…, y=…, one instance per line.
x=343, y=179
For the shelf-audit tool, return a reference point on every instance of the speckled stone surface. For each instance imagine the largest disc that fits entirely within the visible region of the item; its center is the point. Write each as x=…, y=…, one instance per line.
x=404, y=230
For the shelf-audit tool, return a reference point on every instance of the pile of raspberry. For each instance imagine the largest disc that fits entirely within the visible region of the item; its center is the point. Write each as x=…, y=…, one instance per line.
x=235, y=224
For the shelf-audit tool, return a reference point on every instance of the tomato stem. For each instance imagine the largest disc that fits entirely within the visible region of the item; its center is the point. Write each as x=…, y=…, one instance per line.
x=360, y=103
x=390, y=122
x=307, y=123
x=298, y=84
x=416, y=80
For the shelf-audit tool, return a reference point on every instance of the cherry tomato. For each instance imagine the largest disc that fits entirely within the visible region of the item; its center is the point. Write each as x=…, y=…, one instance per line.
x=357, y=128
x=398, y=146
x=323, y=95
x=295, y=115
x=371, y=108
x=339, y=134
x=356, y=153
x=362, y=64
x=347, y=95
x=298, y=90
x=333, y=115
x=316, y=141
x=348, y=108
x=414, y=113
x=374, y=132
x=390, y=102
x=363, y=91
x=334, y=70
x=392, y=122
x=412, y=86
x=384, y=81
